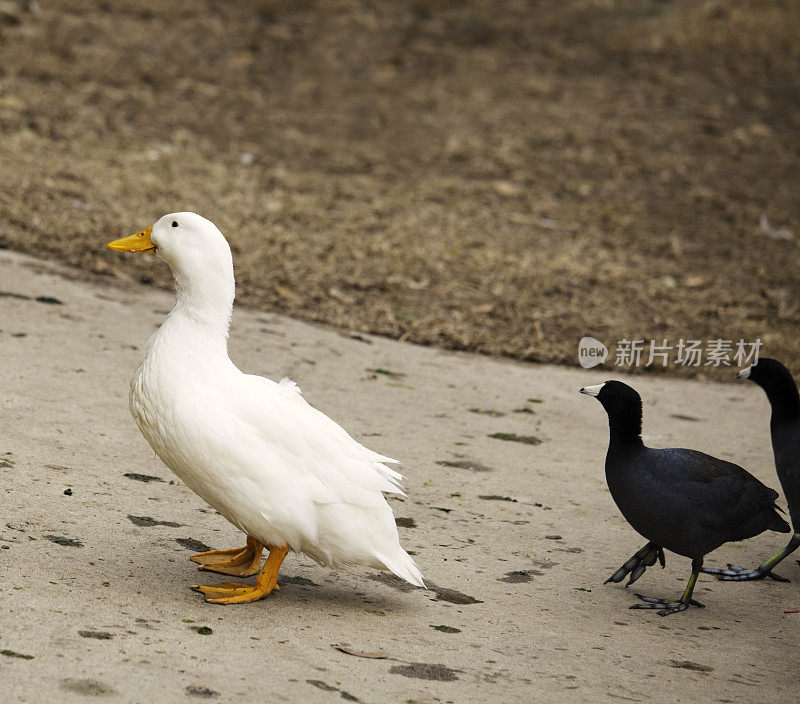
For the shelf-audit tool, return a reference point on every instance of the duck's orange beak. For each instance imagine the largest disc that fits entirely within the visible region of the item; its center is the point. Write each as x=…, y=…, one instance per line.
x=140, y=242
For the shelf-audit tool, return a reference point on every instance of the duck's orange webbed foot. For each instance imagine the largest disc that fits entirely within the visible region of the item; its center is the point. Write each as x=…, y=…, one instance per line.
x=235, y=593
x=238, y=562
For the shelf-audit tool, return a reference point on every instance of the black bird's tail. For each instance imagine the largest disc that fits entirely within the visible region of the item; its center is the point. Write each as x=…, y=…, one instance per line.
x=764, y=513
x=778, y=524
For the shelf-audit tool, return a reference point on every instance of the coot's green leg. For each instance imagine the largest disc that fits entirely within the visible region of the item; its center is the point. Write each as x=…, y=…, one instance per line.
x=740, y=574
x=638, y=563
x=673, y=607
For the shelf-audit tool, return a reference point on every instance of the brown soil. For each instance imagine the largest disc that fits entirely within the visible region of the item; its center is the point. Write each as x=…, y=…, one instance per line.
x=494, y=176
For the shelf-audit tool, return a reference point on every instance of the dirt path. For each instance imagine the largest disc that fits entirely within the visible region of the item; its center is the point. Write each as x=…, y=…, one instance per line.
x=515, y=539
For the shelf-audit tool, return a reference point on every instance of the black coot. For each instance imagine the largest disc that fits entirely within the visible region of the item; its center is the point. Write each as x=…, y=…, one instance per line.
x=680, y=500
x=784, y=427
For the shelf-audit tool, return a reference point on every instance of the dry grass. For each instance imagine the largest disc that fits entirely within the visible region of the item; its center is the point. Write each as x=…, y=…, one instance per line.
x=495, y=176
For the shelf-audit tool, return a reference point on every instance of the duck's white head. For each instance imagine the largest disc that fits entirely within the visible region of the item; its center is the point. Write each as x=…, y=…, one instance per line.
x=198, y=255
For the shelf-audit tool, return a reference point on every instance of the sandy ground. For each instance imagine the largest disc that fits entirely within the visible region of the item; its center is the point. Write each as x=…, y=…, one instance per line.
x=515, y=539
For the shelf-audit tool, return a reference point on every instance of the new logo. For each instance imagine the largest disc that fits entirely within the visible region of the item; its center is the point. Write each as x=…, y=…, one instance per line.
x=591, y=352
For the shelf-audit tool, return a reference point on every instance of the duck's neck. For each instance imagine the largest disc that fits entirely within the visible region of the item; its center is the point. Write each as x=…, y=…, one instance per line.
x=206, y=302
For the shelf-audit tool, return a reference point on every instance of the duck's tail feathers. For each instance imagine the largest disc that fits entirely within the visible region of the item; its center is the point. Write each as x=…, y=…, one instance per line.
x=404, y=567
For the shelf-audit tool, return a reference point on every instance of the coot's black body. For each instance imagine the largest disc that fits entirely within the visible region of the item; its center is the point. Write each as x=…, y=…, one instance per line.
x=784, y=425
x=686, y=501
x=682, y=500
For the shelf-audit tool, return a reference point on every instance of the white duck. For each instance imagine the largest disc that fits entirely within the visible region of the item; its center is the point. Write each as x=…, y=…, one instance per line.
x=281, y=471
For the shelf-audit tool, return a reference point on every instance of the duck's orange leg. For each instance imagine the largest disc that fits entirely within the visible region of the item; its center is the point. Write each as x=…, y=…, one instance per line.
x=234, y=593
x=239, y=562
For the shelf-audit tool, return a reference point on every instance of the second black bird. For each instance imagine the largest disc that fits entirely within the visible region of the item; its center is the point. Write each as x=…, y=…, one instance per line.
x=784, y=426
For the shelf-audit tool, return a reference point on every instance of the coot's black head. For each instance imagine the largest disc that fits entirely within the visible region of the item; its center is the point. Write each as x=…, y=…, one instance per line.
x=767, y=372
x=776, y=380
x=623, y=405
x=614, y=395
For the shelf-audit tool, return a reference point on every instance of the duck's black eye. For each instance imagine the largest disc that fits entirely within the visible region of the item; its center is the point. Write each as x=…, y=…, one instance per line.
x=174, y=223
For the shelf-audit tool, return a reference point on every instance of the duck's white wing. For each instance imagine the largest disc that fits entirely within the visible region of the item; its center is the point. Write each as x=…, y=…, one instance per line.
x=316, y=451
x=287, y=474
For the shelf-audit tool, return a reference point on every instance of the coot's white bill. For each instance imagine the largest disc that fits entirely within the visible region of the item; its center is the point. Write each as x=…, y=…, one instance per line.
x=592, y=390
